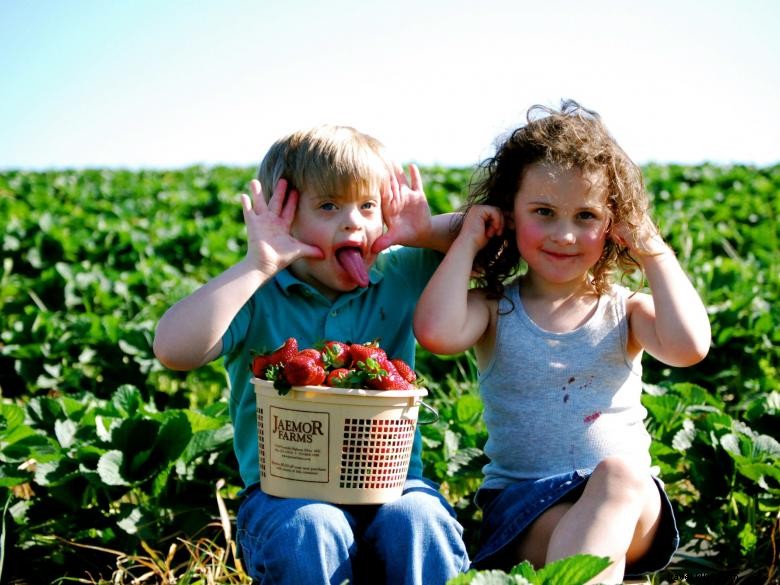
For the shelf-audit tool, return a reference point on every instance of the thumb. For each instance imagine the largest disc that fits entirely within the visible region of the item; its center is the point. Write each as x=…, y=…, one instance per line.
x=383, y=242
x=309, y=251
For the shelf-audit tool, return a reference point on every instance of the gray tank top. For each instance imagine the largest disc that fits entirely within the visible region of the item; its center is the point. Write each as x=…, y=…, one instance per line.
x=558, y=402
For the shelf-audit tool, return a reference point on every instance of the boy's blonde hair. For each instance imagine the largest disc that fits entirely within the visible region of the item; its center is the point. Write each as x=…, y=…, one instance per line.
x=331, y=160
x=572, y=137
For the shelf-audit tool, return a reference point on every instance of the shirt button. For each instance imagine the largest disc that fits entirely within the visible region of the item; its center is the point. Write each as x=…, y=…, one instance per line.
x=334, y=313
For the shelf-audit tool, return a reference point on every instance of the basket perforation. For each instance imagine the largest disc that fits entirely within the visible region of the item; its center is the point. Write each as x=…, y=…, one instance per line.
x=261, y=443
x=375, y=453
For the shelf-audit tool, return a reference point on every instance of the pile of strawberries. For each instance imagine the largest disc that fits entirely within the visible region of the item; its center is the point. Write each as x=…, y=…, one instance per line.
x=338, y=364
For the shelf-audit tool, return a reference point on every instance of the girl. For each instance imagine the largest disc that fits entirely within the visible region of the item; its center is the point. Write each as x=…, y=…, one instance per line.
x=559, y=347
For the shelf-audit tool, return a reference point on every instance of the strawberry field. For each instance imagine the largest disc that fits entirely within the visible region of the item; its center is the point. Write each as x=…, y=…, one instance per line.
x=112, y=465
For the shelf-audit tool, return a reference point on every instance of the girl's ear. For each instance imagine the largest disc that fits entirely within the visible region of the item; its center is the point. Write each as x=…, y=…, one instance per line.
x=509, y=220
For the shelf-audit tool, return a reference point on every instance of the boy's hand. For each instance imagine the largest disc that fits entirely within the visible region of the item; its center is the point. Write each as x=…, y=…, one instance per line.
x=405, y=210
x=270, y=245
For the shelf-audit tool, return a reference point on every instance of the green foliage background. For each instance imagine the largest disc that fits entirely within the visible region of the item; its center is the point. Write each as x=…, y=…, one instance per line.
x=100, y=445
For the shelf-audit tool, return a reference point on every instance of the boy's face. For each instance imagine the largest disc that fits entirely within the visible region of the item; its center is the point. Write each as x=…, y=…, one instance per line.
x=344, y=226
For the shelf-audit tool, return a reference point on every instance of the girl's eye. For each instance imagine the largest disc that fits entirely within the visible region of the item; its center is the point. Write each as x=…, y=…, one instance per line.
x=328, y=206
x=543, y=211
x=587, y=215
x=369, y=205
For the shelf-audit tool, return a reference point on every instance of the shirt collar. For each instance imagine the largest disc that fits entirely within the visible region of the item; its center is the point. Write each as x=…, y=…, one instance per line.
x=288, y=282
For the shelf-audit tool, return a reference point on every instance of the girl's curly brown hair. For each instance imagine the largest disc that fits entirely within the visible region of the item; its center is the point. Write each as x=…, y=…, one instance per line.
x=573, y=137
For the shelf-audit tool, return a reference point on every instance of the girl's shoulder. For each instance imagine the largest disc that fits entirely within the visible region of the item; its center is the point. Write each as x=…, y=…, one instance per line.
x=632, y=298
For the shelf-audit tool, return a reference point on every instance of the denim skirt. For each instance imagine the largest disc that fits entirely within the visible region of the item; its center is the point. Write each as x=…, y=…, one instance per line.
x=507, y=512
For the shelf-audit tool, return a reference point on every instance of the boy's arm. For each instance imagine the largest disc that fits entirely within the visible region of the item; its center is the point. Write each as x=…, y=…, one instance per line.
x=190, y=333
x=450, y=318
x=672, y=323
x=408, y=217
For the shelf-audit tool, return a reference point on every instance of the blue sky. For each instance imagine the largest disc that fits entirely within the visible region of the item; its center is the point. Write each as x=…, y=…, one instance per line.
x=164, y=84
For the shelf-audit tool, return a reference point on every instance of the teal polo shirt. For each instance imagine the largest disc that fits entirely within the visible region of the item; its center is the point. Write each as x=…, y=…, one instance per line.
x=287, y=307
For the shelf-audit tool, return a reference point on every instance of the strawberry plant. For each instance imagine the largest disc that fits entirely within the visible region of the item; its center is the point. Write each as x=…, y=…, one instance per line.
x=116, y=471
x=102, y=446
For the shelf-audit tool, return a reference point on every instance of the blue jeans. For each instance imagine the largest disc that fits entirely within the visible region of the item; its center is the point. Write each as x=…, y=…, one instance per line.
x=415, y=539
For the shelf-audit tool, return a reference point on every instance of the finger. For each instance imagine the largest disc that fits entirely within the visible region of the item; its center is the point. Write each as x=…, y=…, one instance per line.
x=400, y=175
x=258, y=200
x=290, y=205
x=276, y=203
x=395, y=187
x=414, y=173
x=382, y=242
x=246, y=204
x=389, y=194
x=310, y=251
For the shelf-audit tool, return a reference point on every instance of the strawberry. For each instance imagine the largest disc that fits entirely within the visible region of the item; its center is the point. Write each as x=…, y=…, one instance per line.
x=282, y=354
x=382, y=375
x=406, y=372
x=335, y=354
x=259, y=364
x=313, y=354
x=338, y=378
x=304, y=370
x=360, y=352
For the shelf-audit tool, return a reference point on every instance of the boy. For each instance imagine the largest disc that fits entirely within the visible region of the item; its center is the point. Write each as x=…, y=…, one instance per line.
x=313, y=271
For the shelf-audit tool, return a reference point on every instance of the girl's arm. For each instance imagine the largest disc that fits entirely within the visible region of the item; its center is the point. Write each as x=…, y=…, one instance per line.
x=450, y=318
x=190, y=333
x=672, y=323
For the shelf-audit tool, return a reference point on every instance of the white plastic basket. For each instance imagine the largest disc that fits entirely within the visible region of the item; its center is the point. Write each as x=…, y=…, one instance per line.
x=344, y=446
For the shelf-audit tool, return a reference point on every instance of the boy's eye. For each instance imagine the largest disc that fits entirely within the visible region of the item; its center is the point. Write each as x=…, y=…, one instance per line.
x=369, y=205
x=328, y=206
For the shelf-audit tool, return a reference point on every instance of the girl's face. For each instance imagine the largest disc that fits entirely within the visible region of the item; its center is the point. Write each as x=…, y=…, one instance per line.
x=561, y=221
x=334, y=222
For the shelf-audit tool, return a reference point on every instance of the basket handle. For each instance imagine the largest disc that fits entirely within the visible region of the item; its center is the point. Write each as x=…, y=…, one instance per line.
x=432, y=412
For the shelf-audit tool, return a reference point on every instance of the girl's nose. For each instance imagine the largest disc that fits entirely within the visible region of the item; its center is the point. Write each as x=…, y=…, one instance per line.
x=563, y=234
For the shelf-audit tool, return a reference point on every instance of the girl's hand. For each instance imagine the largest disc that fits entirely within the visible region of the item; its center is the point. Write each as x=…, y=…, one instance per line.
x=482, y=222
x=405, y=210
x=270, y=245
x=642, y=240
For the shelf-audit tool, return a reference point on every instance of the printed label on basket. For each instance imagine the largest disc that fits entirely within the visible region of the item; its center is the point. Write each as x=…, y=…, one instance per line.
x=298, y=444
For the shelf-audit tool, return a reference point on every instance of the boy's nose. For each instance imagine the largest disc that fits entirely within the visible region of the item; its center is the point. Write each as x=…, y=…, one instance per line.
x=353, y=219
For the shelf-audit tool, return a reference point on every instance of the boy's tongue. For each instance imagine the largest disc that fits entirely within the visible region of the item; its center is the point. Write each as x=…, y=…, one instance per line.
x=351, y=261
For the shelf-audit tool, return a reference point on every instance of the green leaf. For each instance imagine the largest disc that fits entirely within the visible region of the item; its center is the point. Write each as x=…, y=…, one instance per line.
x=488, y=578
x=11, y=417
x=110, y=468
x=130, y=522
x=574, y=570
x=65, y=431
x=205, y=442
x=173, y=437
x=468, y=407
x=747, y=539
x=127, y=400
